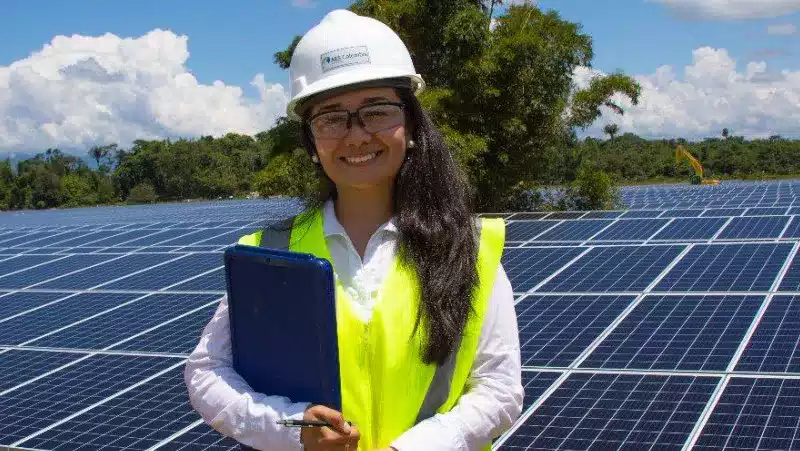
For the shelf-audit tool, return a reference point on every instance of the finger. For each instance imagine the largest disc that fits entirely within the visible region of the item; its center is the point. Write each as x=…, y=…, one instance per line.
x=333, y=417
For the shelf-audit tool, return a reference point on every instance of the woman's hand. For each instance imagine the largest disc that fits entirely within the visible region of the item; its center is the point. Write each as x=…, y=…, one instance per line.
x=342, y=436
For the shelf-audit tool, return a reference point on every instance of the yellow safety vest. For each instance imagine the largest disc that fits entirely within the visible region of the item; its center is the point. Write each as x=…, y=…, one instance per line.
x=386, y=387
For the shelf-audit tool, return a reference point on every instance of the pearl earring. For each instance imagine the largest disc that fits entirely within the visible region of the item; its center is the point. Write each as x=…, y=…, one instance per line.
x=314, y=158
x=411, y=144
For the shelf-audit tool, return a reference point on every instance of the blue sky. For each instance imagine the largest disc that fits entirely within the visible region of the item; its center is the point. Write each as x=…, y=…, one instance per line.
x=109, y=77
x=233, y=40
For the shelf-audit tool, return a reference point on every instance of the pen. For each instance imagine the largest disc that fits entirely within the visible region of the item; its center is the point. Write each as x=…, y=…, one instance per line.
x=304, y=423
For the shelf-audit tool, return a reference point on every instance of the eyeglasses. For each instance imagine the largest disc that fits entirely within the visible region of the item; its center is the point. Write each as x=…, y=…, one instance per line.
x=373, y=118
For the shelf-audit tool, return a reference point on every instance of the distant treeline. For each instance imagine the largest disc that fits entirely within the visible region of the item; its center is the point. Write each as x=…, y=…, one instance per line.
x=630, y=158
x=270, y=164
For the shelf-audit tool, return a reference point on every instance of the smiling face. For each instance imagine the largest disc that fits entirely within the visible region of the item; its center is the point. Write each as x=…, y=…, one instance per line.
x=361, y=159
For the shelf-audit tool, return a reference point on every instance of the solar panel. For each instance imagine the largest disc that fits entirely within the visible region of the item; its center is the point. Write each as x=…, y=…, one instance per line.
x=177, y=337
x=754, y=414
x=127, y=320
x=698, y=333
x=527, y=267
x=109, y=270
x=602, y=215
x=526, y=230
x=755, y=227
x=176, y=272
x=60, y=267
x=35, y=406
x=626, y=343
x=729, y=267
x=135, y=420
x=606, y=411
x=555, y=330
x=631, y=229
x=606, y=269
x=21, y=366
x=573, y=230
x=60, y=313
x=723, y=212
x=535, y=384
x=14, y=303
x=690, y=229
x=765, y=211
x=775, y=345
x=682, y=213
x=201, y=438
x=793, y=231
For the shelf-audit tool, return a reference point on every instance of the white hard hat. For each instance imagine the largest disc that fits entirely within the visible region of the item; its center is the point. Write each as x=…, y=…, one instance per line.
x=346, y=49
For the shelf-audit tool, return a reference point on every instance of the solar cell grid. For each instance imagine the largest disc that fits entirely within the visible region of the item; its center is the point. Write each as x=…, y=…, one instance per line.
x=526, y=230
x=214, y=280
x=775, y=344
x=135, y=420
x=177, y=271
x=793, y=231
x=605, y=269
x=113, y=269
x=20, y=262
x=729, y=267
x=526, y=216
x=578, y=230
x=602, y=215
x=566, y=215
x=13, y=303
x=724, y=212
x=765, y=211
x=555, y=330
x=690, y=229
x=535, y=384
x=159, y=237
x=124, y=322
x=527, y=267
x=201, y=438
x=177, y=337
x=791, y=280
x=607, y=411
x=32, y=324
x=682, y=213
x=22, y=366
x=691, y=333
x=53, y=269
x=631, y=229
x=642, y=214
x=755, y=227
x=754, y=414
x=195, y=237
x=33, y=407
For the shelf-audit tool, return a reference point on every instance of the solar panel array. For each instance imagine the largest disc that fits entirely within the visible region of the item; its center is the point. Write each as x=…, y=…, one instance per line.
x=673, y=324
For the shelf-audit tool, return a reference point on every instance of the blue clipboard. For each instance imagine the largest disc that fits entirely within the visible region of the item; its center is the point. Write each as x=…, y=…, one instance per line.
x=282, y=312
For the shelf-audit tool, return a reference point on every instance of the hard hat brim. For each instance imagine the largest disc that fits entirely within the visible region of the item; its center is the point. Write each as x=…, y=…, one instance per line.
x=346, y=81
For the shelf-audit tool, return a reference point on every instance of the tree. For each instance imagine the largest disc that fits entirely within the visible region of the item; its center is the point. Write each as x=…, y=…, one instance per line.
x=725, y=132
x=611, y=130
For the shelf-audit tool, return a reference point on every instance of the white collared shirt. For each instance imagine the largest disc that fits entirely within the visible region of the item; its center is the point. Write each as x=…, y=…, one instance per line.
x=225, y=401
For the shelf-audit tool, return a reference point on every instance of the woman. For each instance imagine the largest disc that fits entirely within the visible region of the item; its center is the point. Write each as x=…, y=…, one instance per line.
x=428, y=339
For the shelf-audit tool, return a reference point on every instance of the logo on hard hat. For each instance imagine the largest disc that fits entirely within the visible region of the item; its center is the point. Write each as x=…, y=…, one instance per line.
x=348, y=56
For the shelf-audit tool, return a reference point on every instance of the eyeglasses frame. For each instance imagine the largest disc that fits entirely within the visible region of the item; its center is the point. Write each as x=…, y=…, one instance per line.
x=356, y=114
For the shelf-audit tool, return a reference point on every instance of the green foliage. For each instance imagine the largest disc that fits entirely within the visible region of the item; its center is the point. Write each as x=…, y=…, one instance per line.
x=143, y=193
x=593, y=189
x=288, y=174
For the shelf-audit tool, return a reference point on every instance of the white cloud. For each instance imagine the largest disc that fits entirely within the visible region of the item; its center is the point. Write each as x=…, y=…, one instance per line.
x=785, y=29
x=731, y=9
x=711, y=95
x=79, y=90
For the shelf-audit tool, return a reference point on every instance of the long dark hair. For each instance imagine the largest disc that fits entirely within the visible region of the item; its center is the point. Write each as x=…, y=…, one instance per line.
x=434, y=216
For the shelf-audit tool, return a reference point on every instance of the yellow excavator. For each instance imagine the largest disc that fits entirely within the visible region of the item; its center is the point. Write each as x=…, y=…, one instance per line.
x=697, y=178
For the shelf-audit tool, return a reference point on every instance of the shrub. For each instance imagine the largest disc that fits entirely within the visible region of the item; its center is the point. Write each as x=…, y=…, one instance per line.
x=143, y=193
x=592, y=189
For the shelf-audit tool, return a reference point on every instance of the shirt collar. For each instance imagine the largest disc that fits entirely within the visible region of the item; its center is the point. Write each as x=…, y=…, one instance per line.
x=331, y=225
